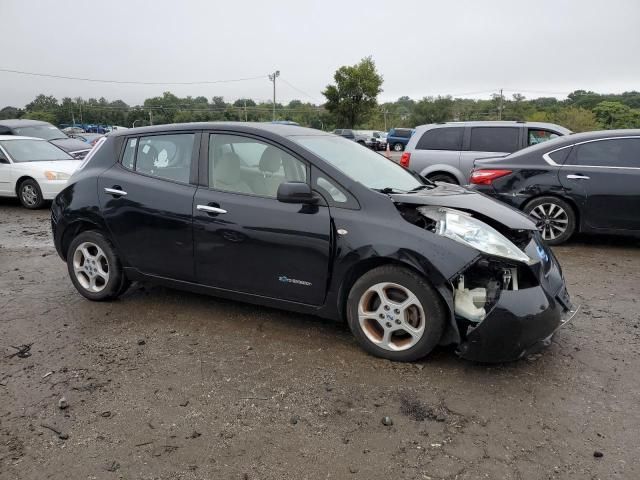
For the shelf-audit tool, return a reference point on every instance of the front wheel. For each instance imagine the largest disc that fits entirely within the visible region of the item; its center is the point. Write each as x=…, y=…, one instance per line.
x=30, y=194
x=398, y=147
x=554, y=217
x=94, y=267
x=395, y=314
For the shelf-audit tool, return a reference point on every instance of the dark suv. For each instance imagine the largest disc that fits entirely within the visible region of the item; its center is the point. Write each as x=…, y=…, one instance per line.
x=299, y=219
x=398, y=138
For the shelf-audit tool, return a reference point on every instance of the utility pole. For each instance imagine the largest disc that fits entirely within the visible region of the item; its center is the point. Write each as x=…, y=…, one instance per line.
x=151, y=117
x=385, y=119
x=245, y=111
x=272, y=77
x=500, y=106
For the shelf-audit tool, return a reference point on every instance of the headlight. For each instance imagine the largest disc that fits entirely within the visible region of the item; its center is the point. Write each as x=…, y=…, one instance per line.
x=463, y=228
x=56, y=175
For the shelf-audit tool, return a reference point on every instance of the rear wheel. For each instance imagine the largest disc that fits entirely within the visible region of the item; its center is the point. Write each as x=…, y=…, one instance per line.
x=554, y=217
x=398, y=147
x=30, y=194
x=94, y=267
x=443, y=177
x=395, y=314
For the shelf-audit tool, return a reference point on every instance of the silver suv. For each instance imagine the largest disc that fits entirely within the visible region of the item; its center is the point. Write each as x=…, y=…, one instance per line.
x=445, y=152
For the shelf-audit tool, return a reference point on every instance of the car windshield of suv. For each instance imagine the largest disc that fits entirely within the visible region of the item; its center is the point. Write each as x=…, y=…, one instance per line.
x=361, y=164
x=33, y=151
x=48, y=132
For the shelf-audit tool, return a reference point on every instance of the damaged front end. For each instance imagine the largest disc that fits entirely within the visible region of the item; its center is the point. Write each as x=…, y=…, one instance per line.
x=512, y=298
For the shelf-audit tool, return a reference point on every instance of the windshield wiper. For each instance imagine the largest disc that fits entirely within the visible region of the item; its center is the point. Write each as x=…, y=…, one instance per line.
x=389, y=190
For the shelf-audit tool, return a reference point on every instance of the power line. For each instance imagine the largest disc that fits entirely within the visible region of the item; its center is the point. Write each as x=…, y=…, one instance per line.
x=300, y=91
x=127, y=82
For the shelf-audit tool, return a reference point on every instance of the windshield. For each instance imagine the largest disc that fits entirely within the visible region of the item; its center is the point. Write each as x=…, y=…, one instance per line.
x=48, y=132
x=359, y=163
x=33, y=151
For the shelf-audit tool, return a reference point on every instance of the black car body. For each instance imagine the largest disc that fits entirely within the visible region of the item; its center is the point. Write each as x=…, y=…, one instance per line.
x=35, y=128
x=586, y=182
x=305, y=244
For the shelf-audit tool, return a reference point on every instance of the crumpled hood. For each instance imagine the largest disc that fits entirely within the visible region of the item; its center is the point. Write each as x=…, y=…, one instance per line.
x=71, y=144
x=454, y=196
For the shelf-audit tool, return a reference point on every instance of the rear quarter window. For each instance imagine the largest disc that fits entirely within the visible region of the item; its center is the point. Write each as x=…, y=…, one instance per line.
x=446, y=138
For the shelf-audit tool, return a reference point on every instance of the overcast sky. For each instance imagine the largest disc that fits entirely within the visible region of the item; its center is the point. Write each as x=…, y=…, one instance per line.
x=539, y=48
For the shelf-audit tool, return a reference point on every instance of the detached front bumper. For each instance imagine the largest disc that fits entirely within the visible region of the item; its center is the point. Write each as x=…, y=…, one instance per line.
x=521, y=321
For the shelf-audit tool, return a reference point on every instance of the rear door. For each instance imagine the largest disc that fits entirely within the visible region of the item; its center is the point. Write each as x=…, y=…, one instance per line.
x=147, y=200
x=245, y=239
x=483, y=142
x=608, y=172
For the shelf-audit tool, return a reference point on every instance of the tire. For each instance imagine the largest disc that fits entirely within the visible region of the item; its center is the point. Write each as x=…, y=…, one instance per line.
x=30, y=195
x=425, y=315
x=398, y=147
x=555, y=218
x=94, y=267
x=443, y=177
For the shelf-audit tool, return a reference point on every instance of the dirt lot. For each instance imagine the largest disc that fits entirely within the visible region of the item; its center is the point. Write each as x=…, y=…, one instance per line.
x=165, y=384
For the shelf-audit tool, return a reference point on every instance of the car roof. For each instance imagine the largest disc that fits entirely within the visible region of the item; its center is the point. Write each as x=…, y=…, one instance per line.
x=274, y=128
x=19, y=122
x=18, y=137
x=495, y=123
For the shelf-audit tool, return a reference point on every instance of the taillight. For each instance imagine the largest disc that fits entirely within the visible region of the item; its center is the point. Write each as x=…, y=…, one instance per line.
x=405, y=159
x=486, y=176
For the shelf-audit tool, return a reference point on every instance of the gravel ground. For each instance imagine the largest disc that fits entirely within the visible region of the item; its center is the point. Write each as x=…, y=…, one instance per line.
x=172, y=385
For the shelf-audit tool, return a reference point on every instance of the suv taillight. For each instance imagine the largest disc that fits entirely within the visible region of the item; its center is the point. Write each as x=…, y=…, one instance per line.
x=487, y=176
x=405, y=159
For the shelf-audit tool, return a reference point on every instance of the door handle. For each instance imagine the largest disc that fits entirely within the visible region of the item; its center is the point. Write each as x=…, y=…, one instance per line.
x=210, y=209
x=115, y=191
x=578, y=177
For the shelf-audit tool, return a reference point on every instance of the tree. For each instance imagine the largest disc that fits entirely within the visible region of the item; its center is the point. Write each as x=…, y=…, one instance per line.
x=43, y=116
x=432, y=110
x=43, y=103
x=616, y=115
x=353, y=98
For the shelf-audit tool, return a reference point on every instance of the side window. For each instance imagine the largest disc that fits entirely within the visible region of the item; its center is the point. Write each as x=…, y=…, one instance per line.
x=445, y=138
x=621, y=152
x=559, y=156
x=128, y=159
x=536, y=135
x=246, y=165
x=494, y=139
x=335, y=192
x=165, y=156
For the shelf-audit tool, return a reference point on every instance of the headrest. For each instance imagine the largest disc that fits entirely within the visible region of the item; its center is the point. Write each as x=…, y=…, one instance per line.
x=270, y=160
x=227, y=169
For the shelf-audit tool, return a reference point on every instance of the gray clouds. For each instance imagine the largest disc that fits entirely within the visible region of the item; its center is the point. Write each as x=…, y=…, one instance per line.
x=421, y=47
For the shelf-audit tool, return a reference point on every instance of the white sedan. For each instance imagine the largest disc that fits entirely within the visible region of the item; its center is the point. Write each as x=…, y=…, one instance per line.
x=33, y=169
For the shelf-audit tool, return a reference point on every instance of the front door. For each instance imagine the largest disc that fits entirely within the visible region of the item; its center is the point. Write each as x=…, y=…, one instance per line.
x=147, y=202
x=608, y=172
x=248, y=241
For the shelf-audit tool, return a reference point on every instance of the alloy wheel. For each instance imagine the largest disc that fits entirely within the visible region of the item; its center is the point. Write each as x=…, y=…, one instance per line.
x=91, y=267
x=391, y=316
x=552, y=220
x=29, y=195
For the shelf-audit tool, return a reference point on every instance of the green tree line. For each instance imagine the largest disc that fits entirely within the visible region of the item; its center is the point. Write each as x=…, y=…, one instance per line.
x=351, y=102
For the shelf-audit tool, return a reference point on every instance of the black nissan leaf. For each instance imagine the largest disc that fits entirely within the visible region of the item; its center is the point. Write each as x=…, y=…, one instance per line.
x=299, y=219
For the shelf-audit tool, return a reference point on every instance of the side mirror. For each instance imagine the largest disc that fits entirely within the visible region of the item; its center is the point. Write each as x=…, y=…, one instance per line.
x=296, y=192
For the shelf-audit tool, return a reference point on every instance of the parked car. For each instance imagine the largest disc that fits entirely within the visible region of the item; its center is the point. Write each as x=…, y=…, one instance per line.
x=398, y=138
x=46, y=131
x=366, y=138
x=381, y=140
x=445, y=152
x=295, y=218
x=33, y=169
x=358, y=136
x=90, y=138
x=586, y=182
x=345, y=133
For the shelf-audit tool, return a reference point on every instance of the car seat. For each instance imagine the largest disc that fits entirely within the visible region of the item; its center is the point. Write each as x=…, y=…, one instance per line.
x=226, y=174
